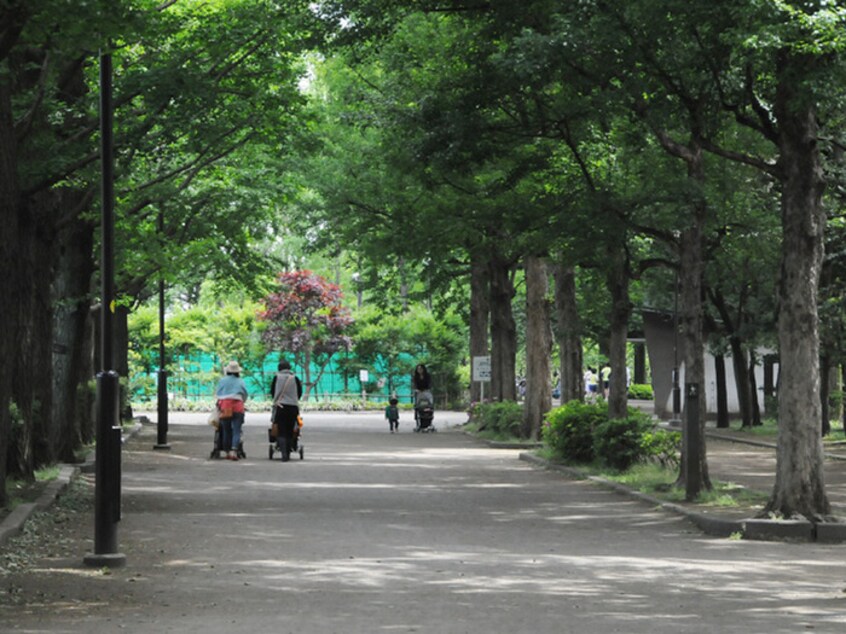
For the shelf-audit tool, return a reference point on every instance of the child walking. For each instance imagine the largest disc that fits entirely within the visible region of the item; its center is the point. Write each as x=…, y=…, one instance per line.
x=392, y=414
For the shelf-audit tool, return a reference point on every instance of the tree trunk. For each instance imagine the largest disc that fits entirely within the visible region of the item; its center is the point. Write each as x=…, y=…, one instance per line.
x=617, y=280
x=568, y=331
x=843, y=402
x=799, y=487
x=722, y=392
x=71, y=369
x=741, y=380
x=754, y=405
x=639, y=375
x=479, y=312
x=694, y=474
x=121, y=352
x=32, y=386
x=538, y=347
x=825, y=368
x=9, y=281
x=503, y=331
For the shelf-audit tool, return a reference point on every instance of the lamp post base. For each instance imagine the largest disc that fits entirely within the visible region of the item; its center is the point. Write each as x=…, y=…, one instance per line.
x=105, y=560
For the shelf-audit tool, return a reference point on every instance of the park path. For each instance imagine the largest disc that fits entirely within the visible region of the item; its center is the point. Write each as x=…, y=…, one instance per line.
x=379, y=532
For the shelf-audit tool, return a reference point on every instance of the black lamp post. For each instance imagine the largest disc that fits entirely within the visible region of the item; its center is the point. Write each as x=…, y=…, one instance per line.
x=161, y=424
x=108, y=432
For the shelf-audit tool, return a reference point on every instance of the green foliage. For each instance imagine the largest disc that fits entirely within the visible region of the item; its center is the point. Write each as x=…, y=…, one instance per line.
x=501, y=419
x=662, y=447
x=581, y=433
x=618, y=443
x=640, y=391
x=568, y=430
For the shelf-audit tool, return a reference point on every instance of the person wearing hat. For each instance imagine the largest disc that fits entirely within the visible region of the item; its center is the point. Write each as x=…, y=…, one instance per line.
x=231, y=394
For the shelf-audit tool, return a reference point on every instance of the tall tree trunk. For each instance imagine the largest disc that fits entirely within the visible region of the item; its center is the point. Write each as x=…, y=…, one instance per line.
x=10, y=280
x=825, y=369
x=503, y=331
x=538, y=347
x=843, y=401
x=639, y=375
x=479, y=312
x=121, y=352
x=32, y=387
x=754, y=404
x=568, y=332
x=71, y=369
x=741, y=380
x=691, y=330
x=799, y=486
x=722, y=392
x=617, y=280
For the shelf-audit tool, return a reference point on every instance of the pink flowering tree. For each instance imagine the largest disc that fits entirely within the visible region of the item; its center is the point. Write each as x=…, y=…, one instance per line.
x=306, y=320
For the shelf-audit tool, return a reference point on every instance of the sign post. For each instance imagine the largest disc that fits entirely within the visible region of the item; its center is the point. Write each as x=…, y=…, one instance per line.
x=482, y=372
x=363, y=378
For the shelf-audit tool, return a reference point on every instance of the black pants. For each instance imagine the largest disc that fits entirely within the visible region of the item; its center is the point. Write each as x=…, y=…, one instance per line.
x=285, y=418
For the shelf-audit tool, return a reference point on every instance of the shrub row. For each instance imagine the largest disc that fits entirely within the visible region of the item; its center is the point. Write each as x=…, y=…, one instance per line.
x=583, y=433
x=501, y=418
x=640, y=391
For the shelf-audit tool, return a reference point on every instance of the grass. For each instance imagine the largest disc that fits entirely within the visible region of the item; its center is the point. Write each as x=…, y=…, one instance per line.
x=492, y=435
x=24, y=491
x=657, y=481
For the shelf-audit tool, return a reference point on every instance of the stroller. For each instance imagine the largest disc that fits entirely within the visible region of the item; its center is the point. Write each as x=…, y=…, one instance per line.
x=297, y=445
x=424, y=412
x=218, y=448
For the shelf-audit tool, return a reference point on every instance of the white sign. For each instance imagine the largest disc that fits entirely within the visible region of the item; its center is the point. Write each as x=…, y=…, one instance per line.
x=363, y=376
x=482, y=368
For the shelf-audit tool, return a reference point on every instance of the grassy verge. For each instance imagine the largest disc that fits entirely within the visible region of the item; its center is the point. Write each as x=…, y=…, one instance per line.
x=492, y=435
x=659, y=482
x=24, y=491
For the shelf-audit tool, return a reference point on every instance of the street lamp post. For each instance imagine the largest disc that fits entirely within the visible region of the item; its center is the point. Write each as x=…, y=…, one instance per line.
x=108, y=432
x=161, y=423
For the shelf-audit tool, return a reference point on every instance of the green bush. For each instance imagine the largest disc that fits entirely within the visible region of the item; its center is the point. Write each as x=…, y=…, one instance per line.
x=663, y=447
x=568, y=430
x=502, y=419
x=618, y=443
x=640, y=391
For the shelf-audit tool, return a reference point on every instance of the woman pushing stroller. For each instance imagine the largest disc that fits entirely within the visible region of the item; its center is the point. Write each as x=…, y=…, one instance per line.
x=286, y=389
x=421, y=385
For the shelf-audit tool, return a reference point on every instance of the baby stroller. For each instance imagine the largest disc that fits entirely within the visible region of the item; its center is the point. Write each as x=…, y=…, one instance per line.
x=297, y=445
x=424, y=412
x=218, y=448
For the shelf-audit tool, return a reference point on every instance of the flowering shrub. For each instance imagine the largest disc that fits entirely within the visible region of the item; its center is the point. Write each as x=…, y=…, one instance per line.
x=306, y=318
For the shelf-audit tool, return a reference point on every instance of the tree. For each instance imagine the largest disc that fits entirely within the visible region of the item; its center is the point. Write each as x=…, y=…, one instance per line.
x=306, y=318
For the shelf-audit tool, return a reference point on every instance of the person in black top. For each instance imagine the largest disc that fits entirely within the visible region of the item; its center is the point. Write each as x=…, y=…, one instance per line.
x=287, y=390
x=421, y=380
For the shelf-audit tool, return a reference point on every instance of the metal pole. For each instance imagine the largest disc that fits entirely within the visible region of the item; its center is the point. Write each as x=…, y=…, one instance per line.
x=107, y=482
x=161, y=424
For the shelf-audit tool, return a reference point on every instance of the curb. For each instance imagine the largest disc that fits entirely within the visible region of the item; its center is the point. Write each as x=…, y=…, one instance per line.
x=750, y=528
x=13, y=524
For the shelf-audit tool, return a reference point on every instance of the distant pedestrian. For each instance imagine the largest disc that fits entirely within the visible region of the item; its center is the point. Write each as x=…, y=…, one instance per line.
x=286, y=389
x=421, y=386
x=392, y=414
x=605, y=378
x=231, y=395
x=590, y=383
